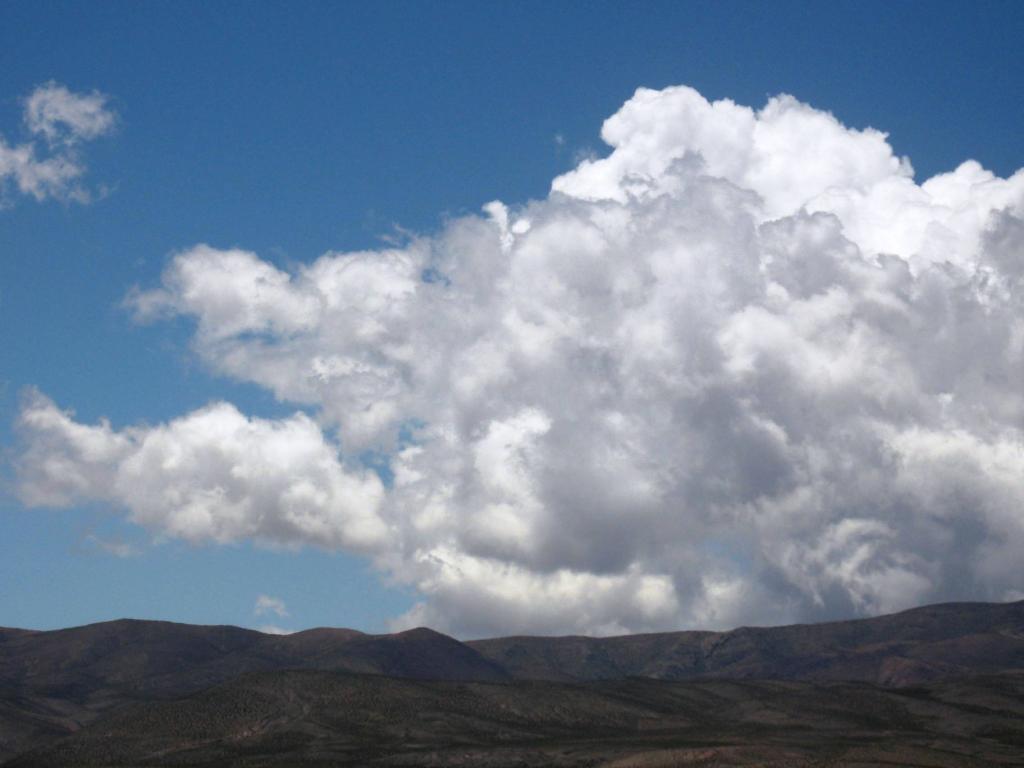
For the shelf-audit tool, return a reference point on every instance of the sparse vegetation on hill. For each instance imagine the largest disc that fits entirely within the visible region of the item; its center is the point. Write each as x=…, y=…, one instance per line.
x=935, y=686
x=328, y=718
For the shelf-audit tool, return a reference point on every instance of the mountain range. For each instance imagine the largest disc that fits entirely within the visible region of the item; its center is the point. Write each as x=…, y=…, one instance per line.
x=939, y=685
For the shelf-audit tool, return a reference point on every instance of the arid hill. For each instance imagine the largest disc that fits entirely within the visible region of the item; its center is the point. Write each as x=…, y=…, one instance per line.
x=935, y=642
x=309, y=718
x=137, y=689
x=52, y=683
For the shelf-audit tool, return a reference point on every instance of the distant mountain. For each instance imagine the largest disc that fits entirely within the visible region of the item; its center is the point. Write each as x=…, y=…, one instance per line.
x=56, y=683
x=114, y=660
x=52, y=683
x=923, y=644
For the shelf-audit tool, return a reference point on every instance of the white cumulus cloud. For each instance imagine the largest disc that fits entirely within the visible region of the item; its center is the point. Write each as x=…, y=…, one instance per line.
x=743, y=369
x=212, y=475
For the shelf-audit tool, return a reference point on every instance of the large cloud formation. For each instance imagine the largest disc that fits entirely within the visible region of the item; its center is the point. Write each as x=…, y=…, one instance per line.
x=49, y=165
x=743, y=369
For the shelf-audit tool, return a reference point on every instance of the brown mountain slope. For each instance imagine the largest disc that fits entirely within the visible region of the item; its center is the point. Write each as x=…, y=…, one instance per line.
x=56, y=682
x=312, y=718
x=7, y=633
x=922, y=644
x=128, y=658
x=154, y=658
x=416, y=653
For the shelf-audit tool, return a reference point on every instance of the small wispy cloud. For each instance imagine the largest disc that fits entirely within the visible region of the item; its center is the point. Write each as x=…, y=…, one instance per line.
x=266, y=605
x=61, y=116
x=116, y=547
x=49, y=164
x=272, y=629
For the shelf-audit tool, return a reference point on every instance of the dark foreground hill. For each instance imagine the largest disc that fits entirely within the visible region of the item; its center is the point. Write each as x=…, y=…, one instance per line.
x=307, y=718
x=54, y=684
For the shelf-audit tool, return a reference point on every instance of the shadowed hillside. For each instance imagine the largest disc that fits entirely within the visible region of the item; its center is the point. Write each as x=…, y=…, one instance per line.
x=55, y=684
x=323, y=718
x=154, y=658
x=931, y=643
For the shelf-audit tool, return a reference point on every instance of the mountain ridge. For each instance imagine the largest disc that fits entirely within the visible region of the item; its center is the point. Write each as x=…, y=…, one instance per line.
x=56, y=683
x=928, y=638
x=958, y=605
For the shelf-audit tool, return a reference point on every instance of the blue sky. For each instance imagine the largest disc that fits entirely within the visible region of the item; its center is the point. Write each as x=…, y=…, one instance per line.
x=290, y=130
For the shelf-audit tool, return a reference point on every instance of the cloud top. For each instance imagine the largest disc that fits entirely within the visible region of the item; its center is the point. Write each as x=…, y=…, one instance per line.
x=744, y=369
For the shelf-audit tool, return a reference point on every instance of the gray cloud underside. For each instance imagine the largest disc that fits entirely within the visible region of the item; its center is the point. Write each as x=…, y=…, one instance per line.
x=743, y=369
